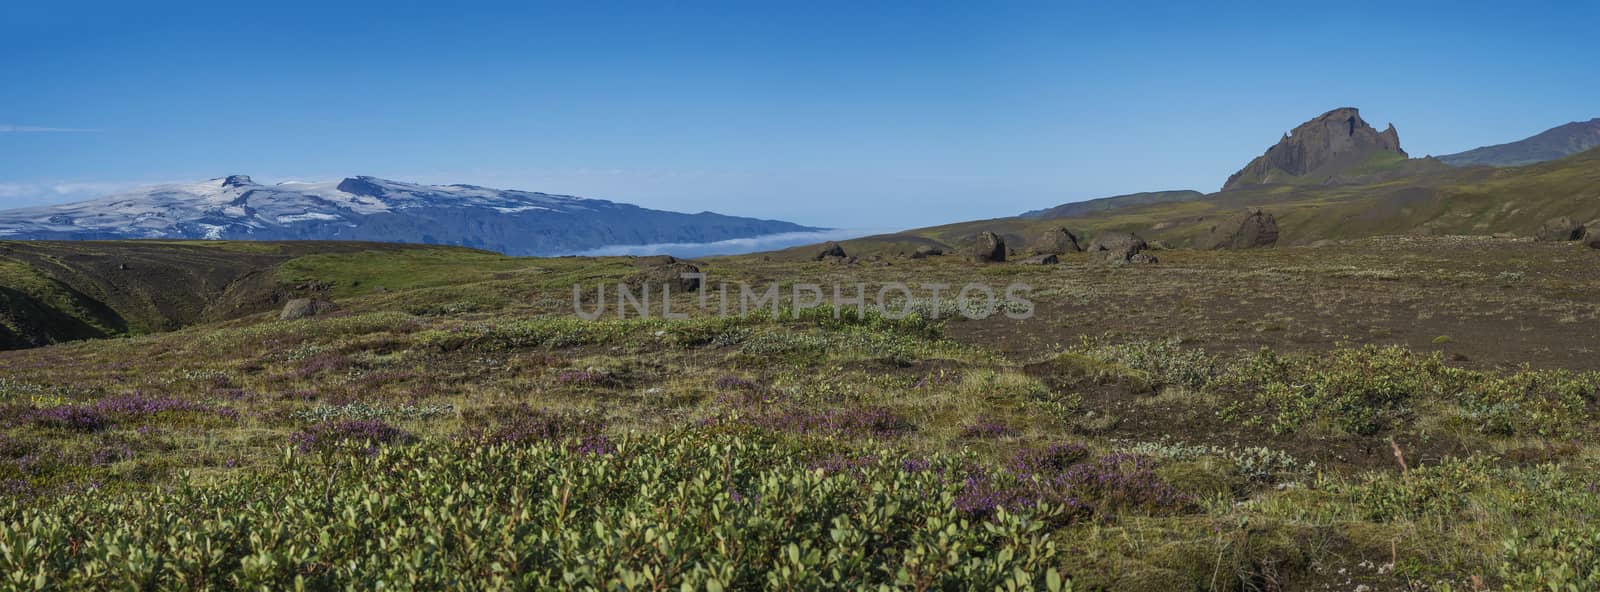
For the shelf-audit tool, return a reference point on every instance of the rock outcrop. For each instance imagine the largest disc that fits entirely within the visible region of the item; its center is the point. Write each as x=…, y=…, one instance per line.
x=1252, y=228
x=1119, y=248
x=1056, y=241
x=1559, y=229
x=831, y=249
x=666, y=271
x=300, y=308
x=1318, y=150
x=989, y=248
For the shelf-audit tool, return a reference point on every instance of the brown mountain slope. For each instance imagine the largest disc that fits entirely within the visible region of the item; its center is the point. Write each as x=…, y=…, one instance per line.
x=1470, y=201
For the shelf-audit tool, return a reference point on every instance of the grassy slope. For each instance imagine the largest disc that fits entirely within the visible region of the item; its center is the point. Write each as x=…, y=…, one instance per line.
x=811, y=423
x=61, y=291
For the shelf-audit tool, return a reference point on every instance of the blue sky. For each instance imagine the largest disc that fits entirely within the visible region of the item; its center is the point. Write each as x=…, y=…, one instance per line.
x=850, y=114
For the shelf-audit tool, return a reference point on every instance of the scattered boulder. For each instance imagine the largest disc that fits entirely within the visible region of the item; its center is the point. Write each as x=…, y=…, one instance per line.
x=989, y=248
x=300, y=308
x=669, y=275
x=653, y=261
x=830, y=250
x=1119, y=248
x=1252, y=228
x=1047, y=259
x=1056, y=241
x=1560, y=229
x=926, y=251
x=1591, y=238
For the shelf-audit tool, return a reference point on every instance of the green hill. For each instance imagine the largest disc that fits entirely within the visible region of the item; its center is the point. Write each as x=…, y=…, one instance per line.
x=54, y=291
x=1467, y=201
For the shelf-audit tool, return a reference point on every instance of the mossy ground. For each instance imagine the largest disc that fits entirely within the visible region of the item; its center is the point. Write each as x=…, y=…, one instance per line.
x=1280, y=419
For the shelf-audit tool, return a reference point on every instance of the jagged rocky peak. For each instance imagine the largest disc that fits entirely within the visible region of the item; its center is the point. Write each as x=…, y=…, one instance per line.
x=237, y=181
x=1319, y=150
x=367, y=186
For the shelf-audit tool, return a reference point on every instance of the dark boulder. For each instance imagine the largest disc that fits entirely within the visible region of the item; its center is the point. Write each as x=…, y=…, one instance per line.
x=300, y=308
x=1118, y=248
x=1591, y=238
x=1252, y=228
x=1056, y=241
x=926, y=251
x=1048, y=259
x=654, y=261
x=989, y=248
x=1559, y=229
x=668, y=275
x=830, y=250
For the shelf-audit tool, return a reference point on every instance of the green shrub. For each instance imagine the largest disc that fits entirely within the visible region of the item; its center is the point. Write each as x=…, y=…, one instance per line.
x=1361, y=390
x=1163, y=362
x=687, y=510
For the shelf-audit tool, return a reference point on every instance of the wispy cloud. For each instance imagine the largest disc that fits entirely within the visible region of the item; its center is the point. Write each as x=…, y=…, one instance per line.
x=41, y=129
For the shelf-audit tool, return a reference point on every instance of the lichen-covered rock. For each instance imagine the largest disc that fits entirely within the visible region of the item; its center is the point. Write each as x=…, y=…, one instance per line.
x=1560, y=229
x=1056, y=241
x=1252, y=228
x=989, y=248
x=669, y=276
x=300, y=308
x=1118, y=248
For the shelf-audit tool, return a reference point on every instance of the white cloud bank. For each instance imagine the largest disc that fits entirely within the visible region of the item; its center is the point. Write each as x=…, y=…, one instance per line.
x=737, y=246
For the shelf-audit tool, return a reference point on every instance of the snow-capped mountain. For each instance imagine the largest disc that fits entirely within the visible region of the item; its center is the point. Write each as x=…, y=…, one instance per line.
x=372, y=209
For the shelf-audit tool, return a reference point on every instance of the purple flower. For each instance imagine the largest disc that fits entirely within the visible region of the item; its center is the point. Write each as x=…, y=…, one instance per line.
x=1123, y=481
x=874, y=421
x=137, y=405
x=597, y=444
x=329, y=435
x=1054, y=458
x=582, y=378
x=735, y=383
x=71, y=417
x=842, y=463
x=914, y=465
x=522, y=425
x=987, y=428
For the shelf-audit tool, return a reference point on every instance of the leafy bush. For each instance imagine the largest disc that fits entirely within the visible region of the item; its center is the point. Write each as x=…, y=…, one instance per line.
x=1361, y=390
x=371, y=411
x=1532, y=402
x=744, y=514
x=1163, y=362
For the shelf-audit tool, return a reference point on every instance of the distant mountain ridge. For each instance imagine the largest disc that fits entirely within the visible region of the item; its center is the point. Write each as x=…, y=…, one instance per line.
x=373, y=209
x=1557, y=142
x=1080, y=208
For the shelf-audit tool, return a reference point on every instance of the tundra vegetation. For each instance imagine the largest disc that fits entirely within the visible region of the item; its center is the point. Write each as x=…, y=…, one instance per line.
x=1280, y=419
